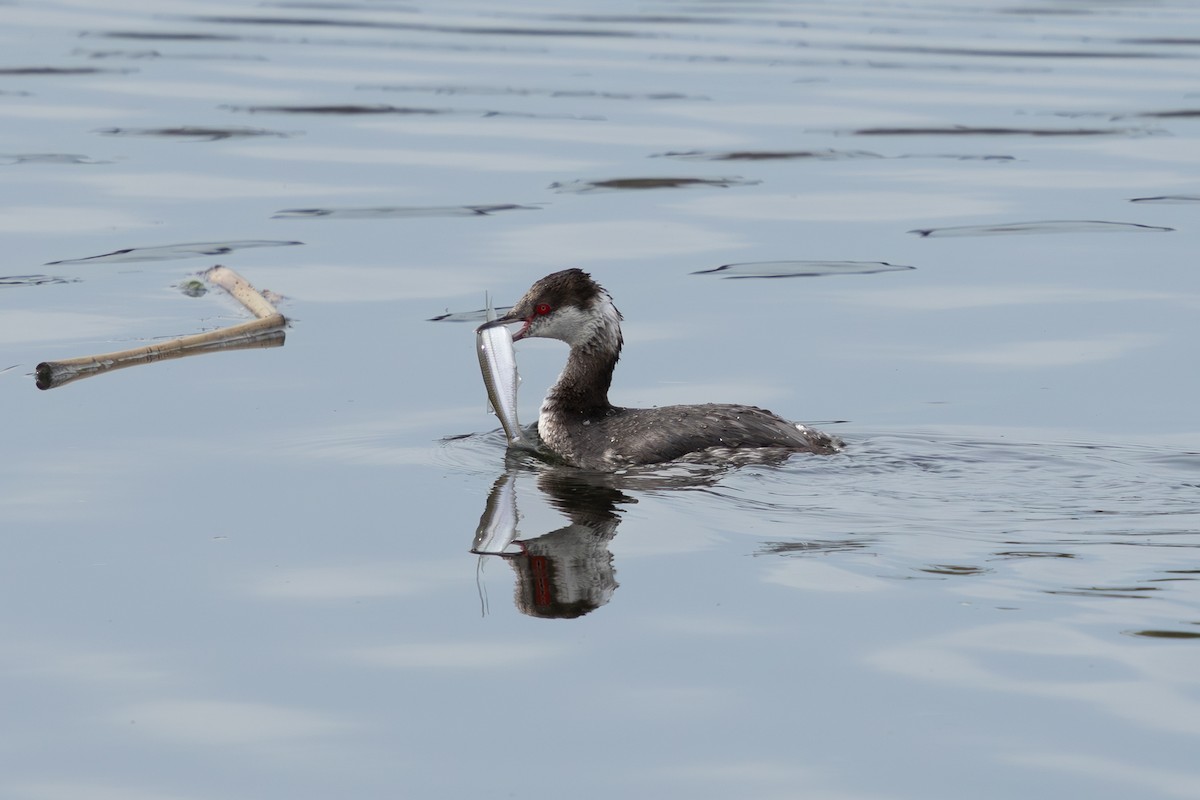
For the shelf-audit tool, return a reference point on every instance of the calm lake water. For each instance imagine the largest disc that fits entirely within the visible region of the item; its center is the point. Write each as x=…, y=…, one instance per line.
x=248, y=575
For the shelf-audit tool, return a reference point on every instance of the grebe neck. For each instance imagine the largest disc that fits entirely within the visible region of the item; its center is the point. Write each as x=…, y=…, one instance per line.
x=582, y=388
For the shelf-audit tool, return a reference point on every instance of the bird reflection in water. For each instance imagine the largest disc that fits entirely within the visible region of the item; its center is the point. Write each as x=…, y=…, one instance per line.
x=567, y=572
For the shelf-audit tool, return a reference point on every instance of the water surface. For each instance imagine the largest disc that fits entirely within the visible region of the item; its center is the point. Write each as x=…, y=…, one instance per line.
x=247, y=575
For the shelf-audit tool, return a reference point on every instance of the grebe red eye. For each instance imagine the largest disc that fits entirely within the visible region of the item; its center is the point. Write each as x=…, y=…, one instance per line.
x=542, y=308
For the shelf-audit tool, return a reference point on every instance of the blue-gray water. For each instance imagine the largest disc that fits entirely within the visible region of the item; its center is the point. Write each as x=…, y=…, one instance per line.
x=247, y=575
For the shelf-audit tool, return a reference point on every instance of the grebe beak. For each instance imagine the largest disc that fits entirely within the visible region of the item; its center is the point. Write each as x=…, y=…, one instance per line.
x=495, y=323
x=507, y=320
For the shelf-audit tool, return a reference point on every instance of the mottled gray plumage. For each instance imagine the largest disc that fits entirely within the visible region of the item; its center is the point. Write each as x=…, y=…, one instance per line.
x=581, y=426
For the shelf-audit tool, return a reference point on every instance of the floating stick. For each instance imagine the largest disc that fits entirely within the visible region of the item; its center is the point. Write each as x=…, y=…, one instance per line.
x=265, y=331
x=241, y=290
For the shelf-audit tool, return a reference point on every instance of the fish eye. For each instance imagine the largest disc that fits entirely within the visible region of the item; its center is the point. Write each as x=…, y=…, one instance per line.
x=542, y=309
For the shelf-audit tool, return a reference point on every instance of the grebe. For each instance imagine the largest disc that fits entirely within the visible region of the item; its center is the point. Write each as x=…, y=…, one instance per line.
x=580, y=425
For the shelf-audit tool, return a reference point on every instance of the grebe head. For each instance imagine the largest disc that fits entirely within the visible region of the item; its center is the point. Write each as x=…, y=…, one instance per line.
x=568, y=306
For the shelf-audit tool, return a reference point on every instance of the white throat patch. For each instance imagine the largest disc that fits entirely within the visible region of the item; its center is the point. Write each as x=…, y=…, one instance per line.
x=599, y=325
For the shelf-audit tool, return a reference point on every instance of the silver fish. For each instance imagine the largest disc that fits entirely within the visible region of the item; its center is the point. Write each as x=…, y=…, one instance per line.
x=498, y=363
